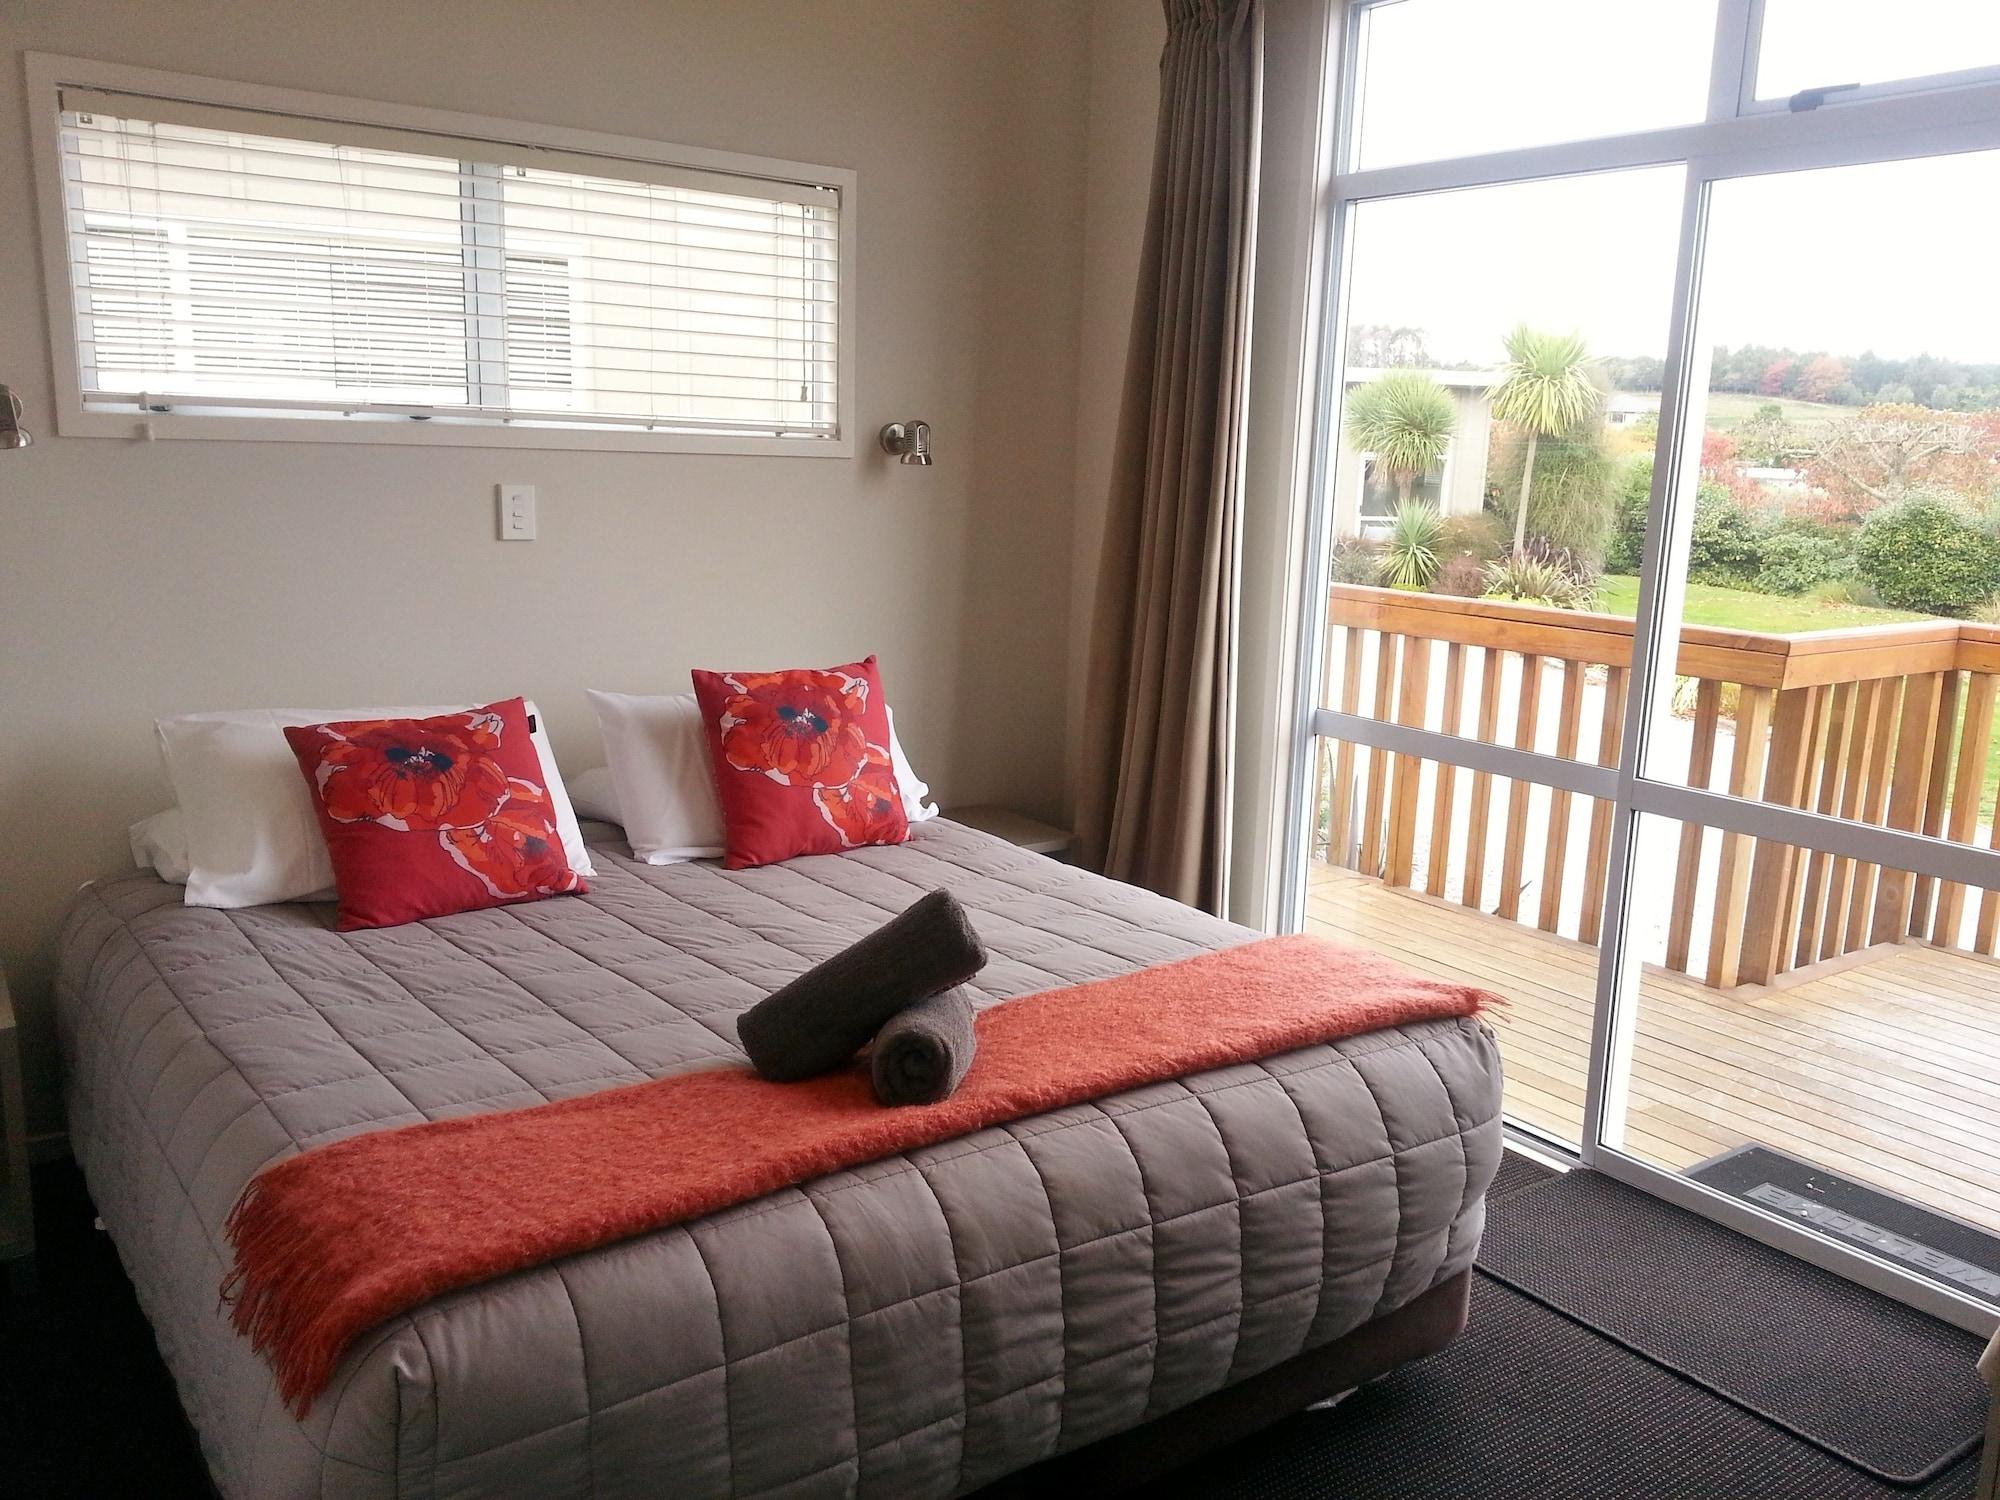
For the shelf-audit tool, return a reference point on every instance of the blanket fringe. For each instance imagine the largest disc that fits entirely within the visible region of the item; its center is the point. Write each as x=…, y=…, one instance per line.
x=276, y=1293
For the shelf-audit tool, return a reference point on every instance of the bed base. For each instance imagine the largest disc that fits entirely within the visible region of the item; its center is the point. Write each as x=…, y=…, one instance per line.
x=1126, y=1460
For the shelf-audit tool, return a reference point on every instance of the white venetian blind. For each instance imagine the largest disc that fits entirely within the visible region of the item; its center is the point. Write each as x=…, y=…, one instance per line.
x=247, y=263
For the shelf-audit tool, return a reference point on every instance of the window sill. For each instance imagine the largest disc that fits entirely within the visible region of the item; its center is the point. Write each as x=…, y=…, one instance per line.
x=169, y=427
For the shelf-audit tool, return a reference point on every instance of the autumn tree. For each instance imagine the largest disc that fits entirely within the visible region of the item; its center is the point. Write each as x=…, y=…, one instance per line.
x=1882, y=452
x=1819, y=377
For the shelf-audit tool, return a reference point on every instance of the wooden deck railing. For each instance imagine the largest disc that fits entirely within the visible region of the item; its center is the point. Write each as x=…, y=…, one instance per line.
x=1864, y=723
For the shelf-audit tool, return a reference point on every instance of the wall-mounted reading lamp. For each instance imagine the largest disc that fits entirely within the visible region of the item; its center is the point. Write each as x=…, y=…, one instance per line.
x=909, y=441
x=12, y=433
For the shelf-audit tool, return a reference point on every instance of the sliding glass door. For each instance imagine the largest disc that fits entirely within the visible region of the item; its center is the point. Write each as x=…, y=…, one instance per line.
x=1656, y=537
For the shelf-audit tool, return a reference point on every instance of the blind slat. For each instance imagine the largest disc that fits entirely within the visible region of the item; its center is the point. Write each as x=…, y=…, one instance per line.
x=602, y=288
x=268, y=129
x=420, y=184
x=228, y=284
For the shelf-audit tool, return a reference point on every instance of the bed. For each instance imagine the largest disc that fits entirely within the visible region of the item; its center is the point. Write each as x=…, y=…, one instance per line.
x=1220, y=1247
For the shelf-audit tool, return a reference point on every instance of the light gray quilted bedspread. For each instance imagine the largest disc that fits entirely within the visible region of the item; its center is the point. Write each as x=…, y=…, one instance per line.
x=916, y=1327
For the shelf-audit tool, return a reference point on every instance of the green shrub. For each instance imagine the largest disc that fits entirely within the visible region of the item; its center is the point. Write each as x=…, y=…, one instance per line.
x=1925, y=552
x=1726, y=546
x=1409, y=558
x=1628, y=527
x=1797, y=560
x=1353, y=561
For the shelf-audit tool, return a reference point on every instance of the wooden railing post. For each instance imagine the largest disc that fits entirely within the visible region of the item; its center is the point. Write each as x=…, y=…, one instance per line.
x=1687, y=868
x=1412, y=698
x=1975, y=742
x=1555, y=859
x=1378, y=761
x=1874, y=806
x=1439, y=858
x=1771, y=888
x=1840, y=717
x=1908, y=787
x=1610, y=734
x=1525, y=720
x=1480, y=818
x=1732, y=878
x=1937, y=790
x=1340, y=813
x=1866, y=741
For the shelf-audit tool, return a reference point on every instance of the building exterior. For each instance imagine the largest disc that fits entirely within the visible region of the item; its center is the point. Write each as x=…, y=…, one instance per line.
x=1623, y=408
x=1364, y=503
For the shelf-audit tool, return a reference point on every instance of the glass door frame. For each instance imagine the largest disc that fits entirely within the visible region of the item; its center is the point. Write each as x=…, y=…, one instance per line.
x=1739, y=139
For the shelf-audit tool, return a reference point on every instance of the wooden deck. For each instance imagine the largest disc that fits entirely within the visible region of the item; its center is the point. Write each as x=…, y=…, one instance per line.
x=1887, y=1070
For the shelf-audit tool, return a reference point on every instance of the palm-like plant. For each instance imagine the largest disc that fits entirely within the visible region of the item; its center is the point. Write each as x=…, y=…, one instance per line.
x=1546, y=390
x=1409, y=557
x=1405, y=420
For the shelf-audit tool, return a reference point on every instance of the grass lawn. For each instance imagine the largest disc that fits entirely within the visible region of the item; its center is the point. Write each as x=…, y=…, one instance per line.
x=1777, y=614
x=1738, y=609
x=1728, y=409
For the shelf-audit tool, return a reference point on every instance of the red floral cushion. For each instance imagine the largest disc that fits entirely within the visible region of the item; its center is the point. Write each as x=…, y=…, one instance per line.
x=425, y=817
x=801, y=762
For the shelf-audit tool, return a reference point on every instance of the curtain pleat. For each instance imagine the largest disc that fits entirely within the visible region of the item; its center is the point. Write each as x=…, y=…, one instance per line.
x=1153, y=806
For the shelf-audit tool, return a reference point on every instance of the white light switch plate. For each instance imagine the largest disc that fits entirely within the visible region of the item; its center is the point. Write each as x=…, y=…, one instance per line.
x=517, y=512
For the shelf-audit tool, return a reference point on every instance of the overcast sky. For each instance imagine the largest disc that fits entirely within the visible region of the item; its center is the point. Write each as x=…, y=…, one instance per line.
x=1896, y=257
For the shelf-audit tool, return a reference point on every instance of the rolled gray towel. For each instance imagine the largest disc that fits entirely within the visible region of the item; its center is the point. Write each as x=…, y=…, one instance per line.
x=829, y=1013
x=921, y=1054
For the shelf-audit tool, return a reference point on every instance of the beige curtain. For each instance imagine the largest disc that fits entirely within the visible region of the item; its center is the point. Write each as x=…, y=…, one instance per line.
x=1153, y=805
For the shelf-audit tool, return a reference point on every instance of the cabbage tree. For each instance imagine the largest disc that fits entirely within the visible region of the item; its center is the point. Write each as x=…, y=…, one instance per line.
x=1405, y=419
x=1546, y=390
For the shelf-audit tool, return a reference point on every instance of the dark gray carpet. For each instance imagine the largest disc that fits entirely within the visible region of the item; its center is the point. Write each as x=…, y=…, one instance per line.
x=87, y=1411
x=1888, y=1389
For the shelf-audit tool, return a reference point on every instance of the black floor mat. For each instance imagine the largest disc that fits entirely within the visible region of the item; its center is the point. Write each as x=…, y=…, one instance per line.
x=1947, y=1249
x=1871, y=1381
x=1517, y=1172
x=1530, y=1406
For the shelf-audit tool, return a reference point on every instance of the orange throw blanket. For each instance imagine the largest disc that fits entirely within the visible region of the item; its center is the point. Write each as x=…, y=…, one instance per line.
x=338, y=1239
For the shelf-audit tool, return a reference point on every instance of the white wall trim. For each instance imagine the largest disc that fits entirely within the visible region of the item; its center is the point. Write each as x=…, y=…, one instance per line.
x=1280, y=523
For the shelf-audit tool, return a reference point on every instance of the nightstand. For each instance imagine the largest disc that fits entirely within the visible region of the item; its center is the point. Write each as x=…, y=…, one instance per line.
x=17, y=1213
x=1016, y=828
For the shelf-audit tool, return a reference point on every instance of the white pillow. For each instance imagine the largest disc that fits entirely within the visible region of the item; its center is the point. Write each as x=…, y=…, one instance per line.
x=915, y=808
x=657, y=755
x=252, y=835
x=663, y=788
x=594, y=795
x=160, y=844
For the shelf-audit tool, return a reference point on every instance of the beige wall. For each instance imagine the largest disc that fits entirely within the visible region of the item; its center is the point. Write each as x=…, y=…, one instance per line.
x=138, y=580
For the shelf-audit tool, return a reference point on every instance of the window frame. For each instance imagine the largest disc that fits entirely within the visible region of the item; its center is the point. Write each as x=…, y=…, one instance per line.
x=1937, y=116
x=48, y=74
x=1749, y=101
